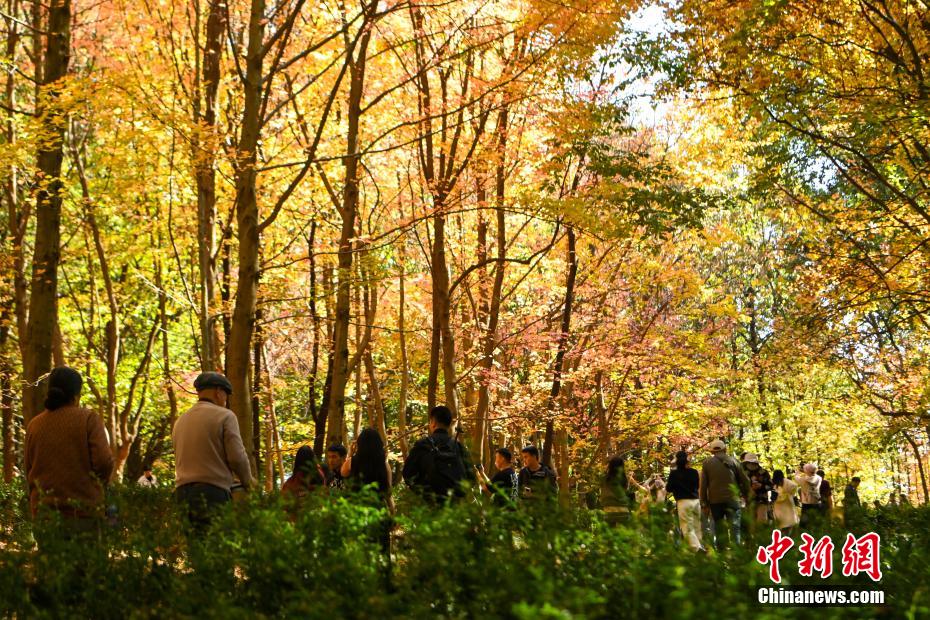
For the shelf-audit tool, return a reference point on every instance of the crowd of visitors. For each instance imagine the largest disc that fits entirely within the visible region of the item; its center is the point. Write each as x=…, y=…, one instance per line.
x=68, y=463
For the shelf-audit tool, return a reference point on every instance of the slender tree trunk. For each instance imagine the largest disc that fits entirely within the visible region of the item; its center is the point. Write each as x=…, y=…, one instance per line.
x=357, y=368
x=489, y=341
x=402, y=346
x=43, y=302
x=165, y=349
x=243, y=319
x=603, y=430
x=12, y=243
x=558, y=364
x=329, y=297
x=319, y=421
x=348, y=213
x=205, y=176
x=443, y=344
x=920, y=465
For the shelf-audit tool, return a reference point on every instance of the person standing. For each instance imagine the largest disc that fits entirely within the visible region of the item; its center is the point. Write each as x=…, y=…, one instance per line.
x=617, y=498
x=723, y=483
x=538, y=482
x=684, y=484
x=826, y=496
x=208, y=451
x=852, y=506
x=308, y=476
x=335, y=457
x=68, y=461
x=367, y=467
x=438, y=466
x=783, y=509
x=504, y=486
x=147, y=479
x=760, y=483
x=809, y=487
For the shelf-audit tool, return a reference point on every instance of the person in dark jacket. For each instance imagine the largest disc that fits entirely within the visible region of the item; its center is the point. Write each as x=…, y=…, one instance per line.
x=537, y=481
x=335, y=456
x=852, y=506
x=723, y=482
x=438, y=466
x=504, y=486
x=684, y=483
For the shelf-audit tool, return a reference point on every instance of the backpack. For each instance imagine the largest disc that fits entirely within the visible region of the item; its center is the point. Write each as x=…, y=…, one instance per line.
x=444, y=468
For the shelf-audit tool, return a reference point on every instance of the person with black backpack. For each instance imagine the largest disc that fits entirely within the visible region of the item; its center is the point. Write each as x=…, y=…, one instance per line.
x=438, y=466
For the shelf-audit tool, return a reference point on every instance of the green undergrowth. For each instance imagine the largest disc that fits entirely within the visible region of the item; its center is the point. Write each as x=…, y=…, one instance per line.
x=466, y=561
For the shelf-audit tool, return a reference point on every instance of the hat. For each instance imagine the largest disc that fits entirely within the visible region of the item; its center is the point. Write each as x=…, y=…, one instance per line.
x=716, y=445
x=207, y=380
x=751, y=458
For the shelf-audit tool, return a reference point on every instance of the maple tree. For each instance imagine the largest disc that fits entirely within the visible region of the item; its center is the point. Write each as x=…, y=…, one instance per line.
x=360, y=210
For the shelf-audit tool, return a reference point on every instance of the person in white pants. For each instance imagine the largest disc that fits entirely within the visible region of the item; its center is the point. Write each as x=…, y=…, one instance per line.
x=684, y=482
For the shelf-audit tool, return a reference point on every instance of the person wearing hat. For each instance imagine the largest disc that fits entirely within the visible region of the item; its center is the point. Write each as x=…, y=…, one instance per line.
x=208, y=451
x=68, y=461
x=760, y=482
x=723, y=481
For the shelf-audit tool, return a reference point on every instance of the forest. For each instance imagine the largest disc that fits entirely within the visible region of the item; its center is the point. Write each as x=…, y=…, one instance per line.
x=595, y=226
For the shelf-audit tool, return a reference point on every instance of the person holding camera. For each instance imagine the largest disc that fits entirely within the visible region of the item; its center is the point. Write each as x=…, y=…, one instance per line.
x=504, y=487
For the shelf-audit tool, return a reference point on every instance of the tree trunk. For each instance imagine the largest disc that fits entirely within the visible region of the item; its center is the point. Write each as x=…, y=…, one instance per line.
x=12, y=239
x=920, y=465
x=443, y=344
x=204, y=145
x=348, y=212
x=313, y=410
x=243, y=319
x=43, y=302
x=489, y=343
x=402, y=346
x=558, y=364
x=256, y=382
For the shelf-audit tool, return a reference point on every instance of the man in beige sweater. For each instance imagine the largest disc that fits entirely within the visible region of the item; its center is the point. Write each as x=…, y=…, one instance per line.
x=208, y=451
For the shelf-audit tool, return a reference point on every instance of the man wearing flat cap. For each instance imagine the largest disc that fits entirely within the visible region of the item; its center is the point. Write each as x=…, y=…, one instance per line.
x=723, y=481
x=208, y=451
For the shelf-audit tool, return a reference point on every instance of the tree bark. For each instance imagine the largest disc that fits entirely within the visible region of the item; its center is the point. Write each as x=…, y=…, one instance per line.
x=348, y=211
x=558, y=364
x=43, y=302
x=489, y=341
x=402, y=346
x=920, y=464
x=204, y=145
x=14, y=303
x=243, y=319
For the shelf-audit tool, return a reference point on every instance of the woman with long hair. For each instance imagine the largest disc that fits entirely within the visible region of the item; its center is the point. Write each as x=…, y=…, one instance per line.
x=365, y=467
x=616, y=494
x=684, y=483
x=786, y=517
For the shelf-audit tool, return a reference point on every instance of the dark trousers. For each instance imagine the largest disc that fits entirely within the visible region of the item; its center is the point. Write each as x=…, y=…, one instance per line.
x=726, y=516
x=201, y=500
x=50, y=528
x=811, y=515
